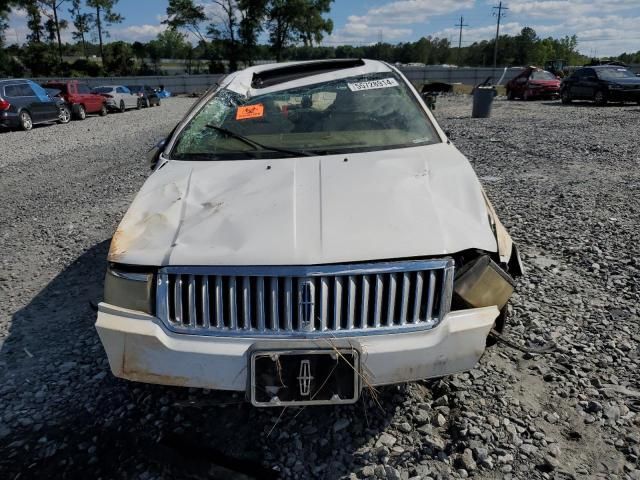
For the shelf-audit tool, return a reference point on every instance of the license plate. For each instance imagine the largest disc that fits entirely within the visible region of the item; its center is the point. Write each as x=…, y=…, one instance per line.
x=304, y=377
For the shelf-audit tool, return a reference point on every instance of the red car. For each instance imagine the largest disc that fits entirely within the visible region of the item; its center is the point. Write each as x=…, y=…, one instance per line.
x=79, y=98
x=533, y=83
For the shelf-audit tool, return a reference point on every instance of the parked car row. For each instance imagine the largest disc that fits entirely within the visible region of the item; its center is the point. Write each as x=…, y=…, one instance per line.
x=600, y=84
x=24, y=103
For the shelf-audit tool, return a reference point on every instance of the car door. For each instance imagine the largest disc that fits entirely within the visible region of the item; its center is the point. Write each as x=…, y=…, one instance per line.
x=520, y=84
x=589, y=83
x=13, y=94
x=71, y=93
x=149, y=94
x=131, y=99
x=120, y=96
x=47, y=106
x=92, y=103
x=80, y=96
x=31, y=102
x=576, y=89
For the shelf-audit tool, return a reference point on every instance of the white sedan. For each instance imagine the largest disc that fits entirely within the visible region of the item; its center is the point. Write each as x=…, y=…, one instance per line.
x=119, y=97
x=308, y=230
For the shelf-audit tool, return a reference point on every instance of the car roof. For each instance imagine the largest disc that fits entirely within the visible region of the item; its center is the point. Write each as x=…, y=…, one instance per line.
x=63, y=82
x=605, y=67
x=13, y=80
x=275, y=75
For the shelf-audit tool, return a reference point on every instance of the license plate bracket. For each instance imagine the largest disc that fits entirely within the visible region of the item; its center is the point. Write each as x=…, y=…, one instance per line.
x=304, y=377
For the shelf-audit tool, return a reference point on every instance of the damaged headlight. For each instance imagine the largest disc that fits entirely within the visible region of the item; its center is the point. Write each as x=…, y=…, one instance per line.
x=129, y=287
x=482, y=283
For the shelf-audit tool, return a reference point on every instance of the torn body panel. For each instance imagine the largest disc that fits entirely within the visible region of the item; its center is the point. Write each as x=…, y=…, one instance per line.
x=507, y=249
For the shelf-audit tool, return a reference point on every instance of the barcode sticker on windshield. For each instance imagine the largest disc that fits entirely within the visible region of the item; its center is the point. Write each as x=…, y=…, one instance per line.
x=373, y=84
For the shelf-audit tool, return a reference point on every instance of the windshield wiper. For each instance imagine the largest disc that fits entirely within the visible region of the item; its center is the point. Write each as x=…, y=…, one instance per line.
x=257, y=145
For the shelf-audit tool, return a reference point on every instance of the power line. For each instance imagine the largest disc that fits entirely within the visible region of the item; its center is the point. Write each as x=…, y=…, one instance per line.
x=461, y=24
x=500, y=8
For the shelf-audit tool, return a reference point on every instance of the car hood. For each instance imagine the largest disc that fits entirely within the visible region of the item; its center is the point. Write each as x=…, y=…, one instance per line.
x=412, y=202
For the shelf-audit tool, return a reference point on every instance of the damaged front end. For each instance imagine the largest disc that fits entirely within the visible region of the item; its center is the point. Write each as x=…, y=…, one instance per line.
x=307, y=253
x=482, y=283
x=486, y=279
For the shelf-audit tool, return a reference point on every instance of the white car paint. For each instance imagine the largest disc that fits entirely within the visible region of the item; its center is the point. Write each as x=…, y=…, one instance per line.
x=119, y=93
x=140, y=349
x=412, y=202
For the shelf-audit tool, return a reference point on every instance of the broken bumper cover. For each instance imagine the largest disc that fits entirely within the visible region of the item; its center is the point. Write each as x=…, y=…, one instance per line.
x=139, y=348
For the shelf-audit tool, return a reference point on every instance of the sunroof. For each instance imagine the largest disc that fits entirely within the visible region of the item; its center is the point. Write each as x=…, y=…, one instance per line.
x=287, y=73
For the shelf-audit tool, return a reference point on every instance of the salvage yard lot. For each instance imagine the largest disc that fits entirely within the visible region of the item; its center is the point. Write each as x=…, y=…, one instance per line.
x=565, y=180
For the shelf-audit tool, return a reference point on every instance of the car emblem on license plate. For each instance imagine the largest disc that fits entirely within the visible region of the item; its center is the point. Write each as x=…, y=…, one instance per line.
x=305, y=305
x=305, y=378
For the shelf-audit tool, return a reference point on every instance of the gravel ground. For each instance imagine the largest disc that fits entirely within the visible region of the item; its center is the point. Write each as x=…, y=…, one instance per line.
x=564, y=180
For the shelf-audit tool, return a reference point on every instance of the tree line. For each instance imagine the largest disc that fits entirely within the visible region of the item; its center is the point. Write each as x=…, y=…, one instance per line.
x=221, y=30
x=223, y=35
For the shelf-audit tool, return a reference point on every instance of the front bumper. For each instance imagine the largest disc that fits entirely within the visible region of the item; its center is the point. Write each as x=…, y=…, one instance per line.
x=624, y=95
x=139, y=348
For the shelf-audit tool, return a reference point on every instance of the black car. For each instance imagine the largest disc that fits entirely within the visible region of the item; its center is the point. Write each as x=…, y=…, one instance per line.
x=24, y=103
x=601, y=84
x=148, y=95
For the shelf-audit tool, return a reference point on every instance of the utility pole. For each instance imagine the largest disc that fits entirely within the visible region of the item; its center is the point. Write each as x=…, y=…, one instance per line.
x=499, y=14
x=461, y=24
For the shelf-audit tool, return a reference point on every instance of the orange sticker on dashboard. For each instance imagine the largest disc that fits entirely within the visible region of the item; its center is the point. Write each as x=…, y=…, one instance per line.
x=250, y=111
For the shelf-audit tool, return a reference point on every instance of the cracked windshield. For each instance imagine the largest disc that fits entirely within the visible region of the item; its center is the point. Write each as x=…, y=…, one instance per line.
x=355, y=114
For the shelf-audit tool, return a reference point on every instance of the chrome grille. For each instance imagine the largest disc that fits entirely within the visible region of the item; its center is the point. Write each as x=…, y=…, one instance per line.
x=305, y=301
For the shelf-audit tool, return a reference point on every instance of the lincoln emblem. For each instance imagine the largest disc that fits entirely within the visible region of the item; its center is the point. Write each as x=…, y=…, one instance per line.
x=305, y=378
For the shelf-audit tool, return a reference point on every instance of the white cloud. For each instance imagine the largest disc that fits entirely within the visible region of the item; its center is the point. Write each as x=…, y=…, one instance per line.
x=390, y=21
x=566, y=9
x=136, y=33
x=17, y=13
x=17, y=31
x=408, y=11
x=488, y=32
x=605, y=35
x=364, y=34
x=213, y=11
x=597, y=35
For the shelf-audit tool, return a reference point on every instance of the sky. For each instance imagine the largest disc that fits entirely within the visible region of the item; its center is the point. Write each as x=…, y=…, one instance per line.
x=603, y=27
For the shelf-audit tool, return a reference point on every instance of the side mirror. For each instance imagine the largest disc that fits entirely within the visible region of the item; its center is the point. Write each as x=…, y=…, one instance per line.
x=153, y=155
